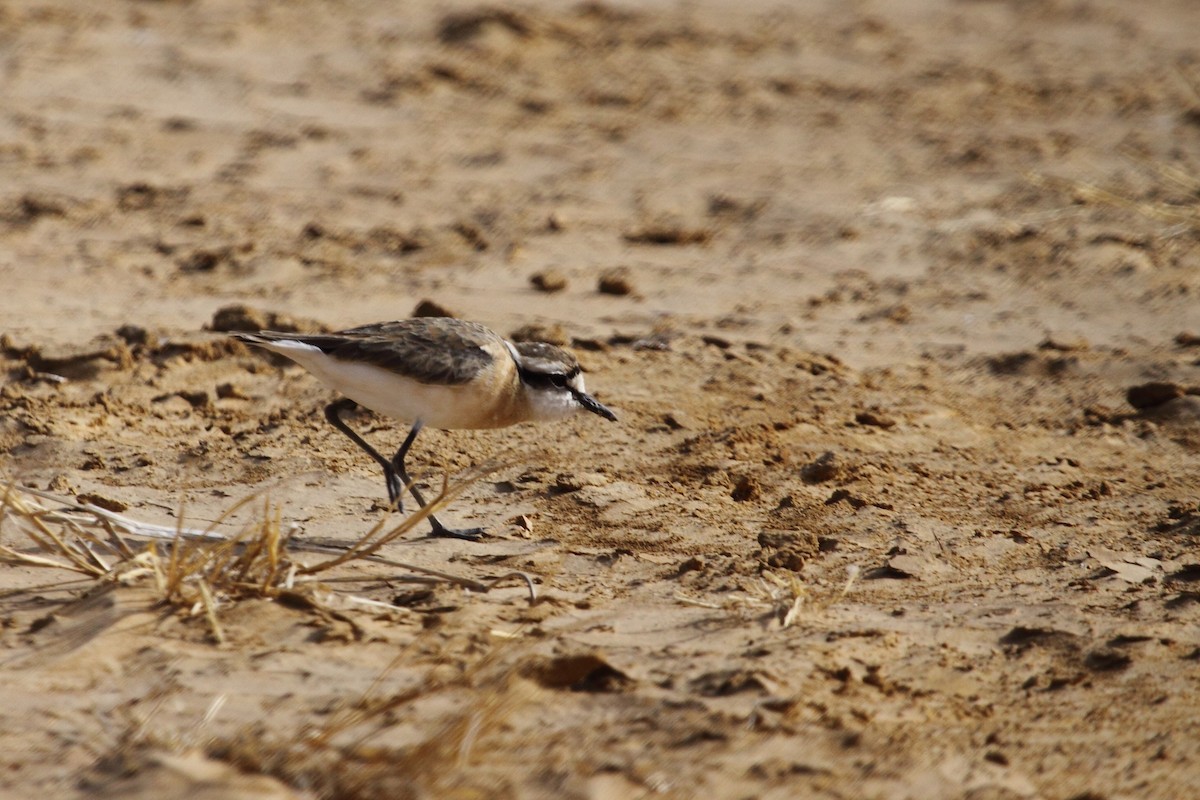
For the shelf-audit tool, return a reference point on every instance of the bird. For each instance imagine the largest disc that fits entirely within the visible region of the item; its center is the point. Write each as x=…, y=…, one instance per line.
x=437, y=372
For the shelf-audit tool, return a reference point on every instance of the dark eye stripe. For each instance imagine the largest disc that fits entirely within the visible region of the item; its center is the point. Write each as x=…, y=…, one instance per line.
x=544, y=380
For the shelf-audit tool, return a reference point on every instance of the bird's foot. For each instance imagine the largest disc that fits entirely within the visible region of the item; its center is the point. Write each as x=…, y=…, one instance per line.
x=467, y=534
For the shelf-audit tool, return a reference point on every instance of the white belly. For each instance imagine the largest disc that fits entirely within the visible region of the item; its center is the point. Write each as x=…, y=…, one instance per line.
x=477, y=404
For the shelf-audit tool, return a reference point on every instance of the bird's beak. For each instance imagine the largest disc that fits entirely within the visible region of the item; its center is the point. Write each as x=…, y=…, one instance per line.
x=595, y=406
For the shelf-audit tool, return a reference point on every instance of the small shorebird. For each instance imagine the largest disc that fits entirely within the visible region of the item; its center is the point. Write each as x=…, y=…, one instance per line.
x=440, y=372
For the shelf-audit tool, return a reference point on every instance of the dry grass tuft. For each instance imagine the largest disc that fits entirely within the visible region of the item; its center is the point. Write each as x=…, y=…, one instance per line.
x=197, y=572
x=1180, y=209
x=347, y=753
x=1182, y=215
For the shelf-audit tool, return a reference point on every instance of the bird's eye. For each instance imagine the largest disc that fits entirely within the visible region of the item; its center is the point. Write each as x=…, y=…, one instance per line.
x=559, y=380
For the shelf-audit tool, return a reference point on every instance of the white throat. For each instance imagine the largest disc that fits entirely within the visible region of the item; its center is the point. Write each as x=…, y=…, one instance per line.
x=549, y=405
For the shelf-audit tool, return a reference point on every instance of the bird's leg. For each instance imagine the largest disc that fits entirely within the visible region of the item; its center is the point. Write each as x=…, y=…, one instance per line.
x=333, y=413
x=397, y=463
x=397, y=466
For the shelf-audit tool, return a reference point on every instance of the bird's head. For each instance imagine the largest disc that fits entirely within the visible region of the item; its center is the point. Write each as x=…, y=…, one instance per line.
x=554, y=382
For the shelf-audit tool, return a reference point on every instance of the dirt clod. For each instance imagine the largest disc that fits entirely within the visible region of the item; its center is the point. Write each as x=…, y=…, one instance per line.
x=666, y=233
x=538, y=332
x=548, y=281
x=826, y=467
x=102, y=501
x=679, y=420
x=582, y=672
x=874, y=418
x=1187, y=339
x=431, y=308
x=745, y=489
x=1154, y=393
x=616, y=282
x=133, y=335
x=245, y=318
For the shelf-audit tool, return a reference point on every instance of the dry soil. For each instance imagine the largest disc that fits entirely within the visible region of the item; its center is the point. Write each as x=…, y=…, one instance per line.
x=868, y=283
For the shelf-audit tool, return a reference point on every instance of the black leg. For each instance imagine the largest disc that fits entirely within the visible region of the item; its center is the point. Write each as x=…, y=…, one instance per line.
x=333, y=413
x=393, y=471
x=398, y=462
x=470, y=534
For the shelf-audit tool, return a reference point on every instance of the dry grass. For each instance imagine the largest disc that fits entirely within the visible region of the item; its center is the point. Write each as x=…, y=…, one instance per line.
x=1181, y=211
x=341, y=758
x=198, y=572
x=1183, y=216
x=342, y=754
x=774, y=597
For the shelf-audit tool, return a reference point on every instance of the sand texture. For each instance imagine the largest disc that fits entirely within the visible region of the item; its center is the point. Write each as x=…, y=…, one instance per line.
x=897, y=303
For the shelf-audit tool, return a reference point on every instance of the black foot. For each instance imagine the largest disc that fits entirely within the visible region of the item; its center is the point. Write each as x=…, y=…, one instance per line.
x=466, y=534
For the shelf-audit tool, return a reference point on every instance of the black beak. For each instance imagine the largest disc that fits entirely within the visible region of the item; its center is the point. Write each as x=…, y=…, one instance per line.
x=595, y=406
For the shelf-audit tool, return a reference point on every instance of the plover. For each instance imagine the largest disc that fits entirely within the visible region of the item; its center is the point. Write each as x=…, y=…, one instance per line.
x=436, y=371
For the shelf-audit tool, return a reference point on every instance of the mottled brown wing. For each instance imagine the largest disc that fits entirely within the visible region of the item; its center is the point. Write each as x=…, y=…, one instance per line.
x=429, y=350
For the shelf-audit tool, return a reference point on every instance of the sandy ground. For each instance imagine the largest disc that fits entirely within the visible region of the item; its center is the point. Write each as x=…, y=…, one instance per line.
x=878, y=520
